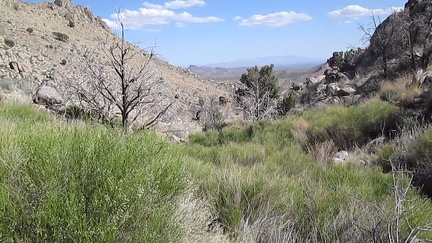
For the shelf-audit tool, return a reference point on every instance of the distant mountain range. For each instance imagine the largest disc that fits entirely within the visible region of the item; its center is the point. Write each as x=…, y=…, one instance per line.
x=286, y=67
x=279, y=62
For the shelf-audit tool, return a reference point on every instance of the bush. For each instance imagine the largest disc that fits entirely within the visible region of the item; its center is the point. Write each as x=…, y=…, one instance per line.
x=69, y=183
x=385, y=154
x=30, y=30
x=71, y=23
x=288, y=102
x=9, y=42
x=239, y=133
x=354, y=125
x=58, y=3
x=61, y=37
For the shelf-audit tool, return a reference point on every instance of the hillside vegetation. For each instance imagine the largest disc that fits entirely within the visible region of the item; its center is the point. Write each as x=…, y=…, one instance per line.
x=249, y=182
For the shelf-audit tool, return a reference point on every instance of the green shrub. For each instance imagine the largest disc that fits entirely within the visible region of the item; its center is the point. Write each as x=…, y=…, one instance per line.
x=238, y=133
x=85, y=183
x=354, y=125
x=288, y=102
x=210, y=138
x=30, y=30
x=61, y=37
x=9, y=42
x=385, y=154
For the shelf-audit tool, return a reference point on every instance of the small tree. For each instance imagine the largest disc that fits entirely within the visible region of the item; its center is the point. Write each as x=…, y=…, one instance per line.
x=120, y=83
x=259, y=96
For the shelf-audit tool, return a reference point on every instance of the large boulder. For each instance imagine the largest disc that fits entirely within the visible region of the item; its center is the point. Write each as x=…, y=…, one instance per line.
x=48, y=97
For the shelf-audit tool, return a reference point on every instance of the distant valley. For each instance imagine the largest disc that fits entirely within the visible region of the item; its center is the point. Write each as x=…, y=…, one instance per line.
x=288, y=69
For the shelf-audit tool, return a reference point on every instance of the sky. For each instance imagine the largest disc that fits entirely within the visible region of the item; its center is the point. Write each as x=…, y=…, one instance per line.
x=203, y=32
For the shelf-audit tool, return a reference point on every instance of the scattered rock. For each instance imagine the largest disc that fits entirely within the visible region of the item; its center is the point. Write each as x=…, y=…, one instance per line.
x=332, y=89
x=346, y=91
x=340, y=156
x=223, y=100
x=176, y=139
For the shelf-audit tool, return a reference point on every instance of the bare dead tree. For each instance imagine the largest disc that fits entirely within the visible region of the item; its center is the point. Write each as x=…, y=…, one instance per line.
x=402, y=181
x=258, y=103
x=121, y=83
x=383, y=37
x=210, y=115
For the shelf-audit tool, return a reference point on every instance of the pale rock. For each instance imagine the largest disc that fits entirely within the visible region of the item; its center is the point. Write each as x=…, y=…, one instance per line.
x=341, y=155
x=320, y=78
x=48, y=96
x=346, y=91
x=333, y=88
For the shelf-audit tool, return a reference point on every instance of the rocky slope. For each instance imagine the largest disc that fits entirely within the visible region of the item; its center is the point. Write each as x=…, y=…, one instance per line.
x=395, y=66
x=31, y=55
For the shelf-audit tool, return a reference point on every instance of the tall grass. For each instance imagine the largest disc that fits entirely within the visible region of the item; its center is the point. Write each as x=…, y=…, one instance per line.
x=266, y=187
x=85, y=183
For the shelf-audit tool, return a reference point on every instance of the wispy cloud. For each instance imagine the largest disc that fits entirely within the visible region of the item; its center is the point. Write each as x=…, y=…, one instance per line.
x=277, y=19
x=355, y=12
x=176, y=4
x=157, y=14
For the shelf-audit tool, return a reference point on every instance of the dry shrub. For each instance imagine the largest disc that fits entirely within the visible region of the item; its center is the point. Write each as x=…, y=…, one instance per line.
x=399, y=90
x=195, y=217
x=301, y=126
x=322, y=152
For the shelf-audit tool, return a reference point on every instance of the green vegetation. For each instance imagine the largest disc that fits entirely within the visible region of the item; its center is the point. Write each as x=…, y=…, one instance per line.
x=288, y=102
x=60, y=36
x=351, y=126
x=345, y=61
x=263, y=185
x=30, y=30
x=260, y=93
x=85, y=183
x=247, y=182
x=9, y=42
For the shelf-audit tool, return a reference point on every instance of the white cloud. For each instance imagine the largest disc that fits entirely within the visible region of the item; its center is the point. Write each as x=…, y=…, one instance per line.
x=180, y=24
x=156, y=14
x=187, y=17
x=358, y=12
x=113, y=25
x=277, y=19
x=151, y=30
x=175, y=4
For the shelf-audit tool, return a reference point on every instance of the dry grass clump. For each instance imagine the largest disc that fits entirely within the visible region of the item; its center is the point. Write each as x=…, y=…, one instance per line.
x=322, y=152
x=399, y=90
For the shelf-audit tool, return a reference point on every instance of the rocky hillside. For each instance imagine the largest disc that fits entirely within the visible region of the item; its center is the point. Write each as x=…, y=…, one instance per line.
x=396, y=66
x=45, y=43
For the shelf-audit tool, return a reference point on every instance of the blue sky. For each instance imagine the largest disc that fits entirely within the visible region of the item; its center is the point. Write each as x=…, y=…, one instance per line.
x=213, y=31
